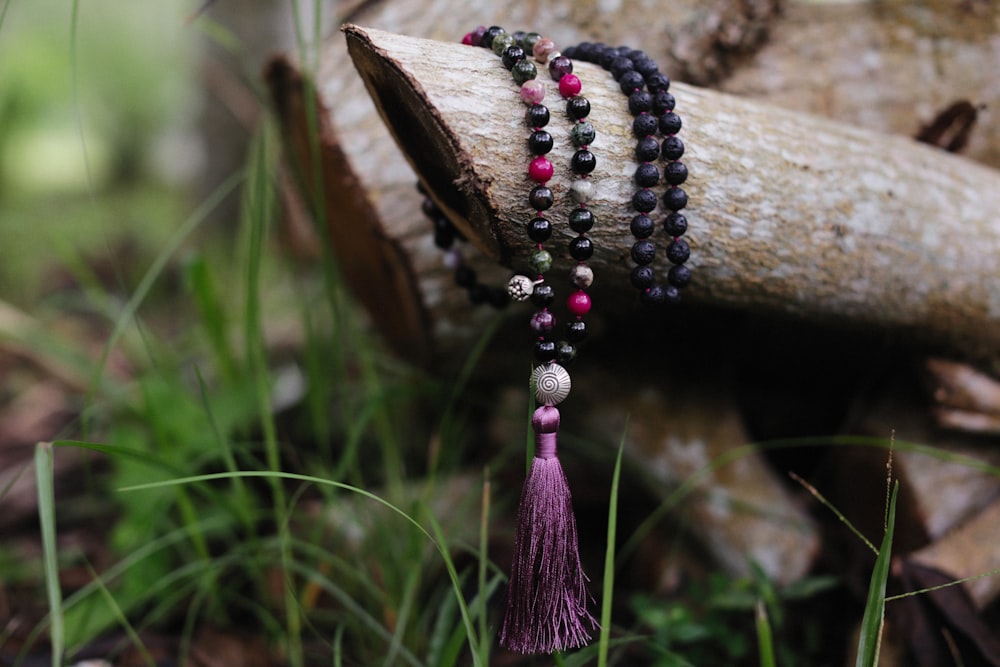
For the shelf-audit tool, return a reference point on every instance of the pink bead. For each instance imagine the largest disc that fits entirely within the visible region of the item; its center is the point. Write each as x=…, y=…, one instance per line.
x=569, y=85
x=532, y=92
x=578, y=303
x=540, y=170
x=542, y=49
x=467, y=40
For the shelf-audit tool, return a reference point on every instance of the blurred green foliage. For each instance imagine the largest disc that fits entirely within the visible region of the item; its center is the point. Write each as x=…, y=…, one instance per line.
x=97, y=108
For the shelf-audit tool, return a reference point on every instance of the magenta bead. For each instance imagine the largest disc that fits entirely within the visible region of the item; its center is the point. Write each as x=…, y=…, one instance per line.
x=578, y=303
x=532, y=92
x=540, y=170
x=570, y=85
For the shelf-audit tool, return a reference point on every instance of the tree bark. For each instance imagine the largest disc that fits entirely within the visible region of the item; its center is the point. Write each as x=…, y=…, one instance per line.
x=789, y=212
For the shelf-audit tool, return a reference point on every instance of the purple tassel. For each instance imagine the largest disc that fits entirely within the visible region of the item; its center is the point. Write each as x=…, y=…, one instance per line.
x=547, y=595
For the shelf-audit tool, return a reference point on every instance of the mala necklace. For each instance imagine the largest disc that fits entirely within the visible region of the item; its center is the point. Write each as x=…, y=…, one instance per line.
x=547, y=598
x=546, y=606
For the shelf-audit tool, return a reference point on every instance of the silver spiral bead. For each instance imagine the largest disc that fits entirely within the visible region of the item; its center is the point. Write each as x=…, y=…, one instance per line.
x=551, y=382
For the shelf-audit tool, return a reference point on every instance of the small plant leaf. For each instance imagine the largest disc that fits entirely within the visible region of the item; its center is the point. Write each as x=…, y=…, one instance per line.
x=765, y=640
x=871, y=624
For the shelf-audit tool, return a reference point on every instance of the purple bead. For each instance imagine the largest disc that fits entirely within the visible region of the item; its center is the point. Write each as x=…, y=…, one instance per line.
x=559, y=67
x=542, y=322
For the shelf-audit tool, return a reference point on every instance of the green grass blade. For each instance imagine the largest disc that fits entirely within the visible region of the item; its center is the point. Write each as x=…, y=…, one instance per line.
x=609, y=560
x=122, y=619
x=765, y=640
x=484, y=529
x=47, y=519
x=871, y=624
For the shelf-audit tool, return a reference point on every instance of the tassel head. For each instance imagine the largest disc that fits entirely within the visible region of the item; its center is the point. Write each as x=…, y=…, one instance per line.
x=547, y=595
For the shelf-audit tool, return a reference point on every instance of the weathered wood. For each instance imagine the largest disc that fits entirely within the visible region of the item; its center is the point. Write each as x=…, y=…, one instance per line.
x=788, y=212
x=890, y=66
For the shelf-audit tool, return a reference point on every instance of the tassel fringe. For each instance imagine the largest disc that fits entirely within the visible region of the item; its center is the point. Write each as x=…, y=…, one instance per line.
x=547, y=595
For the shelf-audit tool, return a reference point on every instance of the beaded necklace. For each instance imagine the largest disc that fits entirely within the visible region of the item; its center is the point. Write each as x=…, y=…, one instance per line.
x=546, y=607
x=547, y=598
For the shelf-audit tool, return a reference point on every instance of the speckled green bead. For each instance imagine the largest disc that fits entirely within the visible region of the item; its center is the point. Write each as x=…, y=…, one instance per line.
x=524, y=70
x=583, y=134
x=529, y=40
x=541, y=261
x=501, y=42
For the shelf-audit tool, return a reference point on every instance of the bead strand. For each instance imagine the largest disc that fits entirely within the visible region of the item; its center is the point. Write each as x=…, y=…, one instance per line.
x=581, y=218
x=445, y=236
x=513, y=50
x=652, y=106
x=513, y=53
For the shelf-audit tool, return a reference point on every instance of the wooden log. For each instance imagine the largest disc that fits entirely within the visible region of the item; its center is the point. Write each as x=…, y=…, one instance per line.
x=789, y=213
x=892, y=67
x=363, y=192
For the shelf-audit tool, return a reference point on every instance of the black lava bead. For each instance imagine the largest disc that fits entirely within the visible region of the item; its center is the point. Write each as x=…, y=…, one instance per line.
x=675, y=199
x=639, y=101
x=675, y=173
x=643, y=252
x=643, y=277
x=678, y=251
x=644, y=125
x=673, y=148
x=642, y=226
x=670, y=123
x=630, y=82
x=644, y=201
x=663, y=102
x=657, y=81
x=647, y=149
x=646, y=175
x=675, y=224
x=679, y=275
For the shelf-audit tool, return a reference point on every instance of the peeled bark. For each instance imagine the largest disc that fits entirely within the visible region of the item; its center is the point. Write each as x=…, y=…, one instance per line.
x=789, y=213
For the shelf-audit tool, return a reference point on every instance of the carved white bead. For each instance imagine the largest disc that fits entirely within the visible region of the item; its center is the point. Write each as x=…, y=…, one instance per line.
x=551, y=382
x=520, y=287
